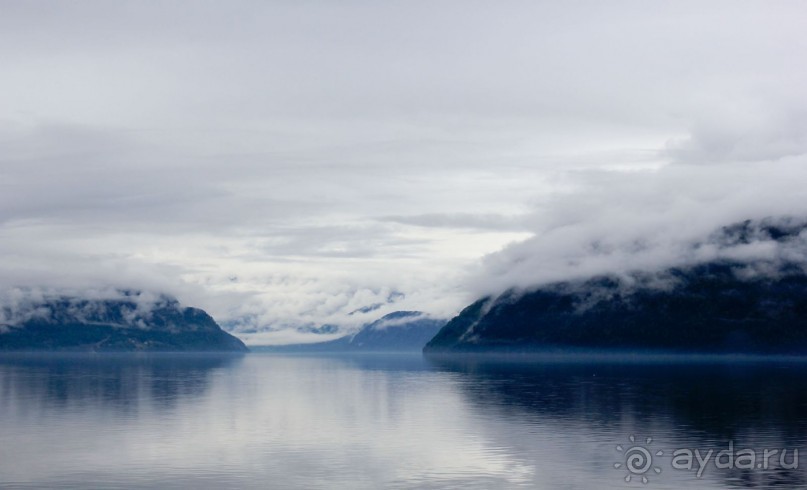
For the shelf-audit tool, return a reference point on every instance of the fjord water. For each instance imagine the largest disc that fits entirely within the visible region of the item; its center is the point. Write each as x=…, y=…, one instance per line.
x=390, y=421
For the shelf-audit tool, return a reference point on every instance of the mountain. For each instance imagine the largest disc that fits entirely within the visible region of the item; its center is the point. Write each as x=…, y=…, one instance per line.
x=718, y=306
x=129, y=323
x=397, y=331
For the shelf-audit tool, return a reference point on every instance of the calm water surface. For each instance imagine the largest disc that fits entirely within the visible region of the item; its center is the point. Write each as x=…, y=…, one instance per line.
x=375, y=421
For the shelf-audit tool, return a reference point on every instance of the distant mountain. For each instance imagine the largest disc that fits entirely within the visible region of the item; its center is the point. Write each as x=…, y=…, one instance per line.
x=125, y=324
x=397, y=331
x=717, y=306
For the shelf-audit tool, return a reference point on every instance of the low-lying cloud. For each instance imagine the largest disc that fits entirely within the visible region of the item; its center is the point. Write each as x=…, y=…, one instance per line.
x=617, y=223
x=283, y=165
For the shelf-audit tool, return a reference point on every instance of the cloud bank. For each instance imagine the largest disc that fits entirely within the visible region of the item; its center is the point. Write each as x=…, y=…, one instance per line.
x=647, y=221
x=284, y=164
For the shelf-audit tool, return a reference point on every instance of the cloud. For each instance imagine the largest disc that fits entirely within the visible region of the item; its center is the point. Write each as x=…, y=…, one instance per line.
x=283, y=164
x=745, y=137
x=84, y=305
x=617, y=223
x=461, y=220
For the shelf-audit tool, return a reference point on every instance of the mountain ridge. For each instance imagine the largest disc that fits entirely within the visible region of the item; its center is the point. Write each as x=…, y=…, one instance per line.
x=125, y=323
x=717, y=306
x=394, y=332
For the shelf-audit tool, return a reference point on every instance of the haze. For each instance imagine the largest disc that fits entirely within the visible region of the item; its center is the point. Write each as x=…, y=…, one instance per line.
x=285, y=164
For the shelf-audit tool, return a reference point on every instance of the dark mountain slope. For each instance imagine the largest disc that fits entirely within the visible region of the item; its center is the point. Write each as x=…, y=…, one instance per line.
x=718, y=306
x=123, y=324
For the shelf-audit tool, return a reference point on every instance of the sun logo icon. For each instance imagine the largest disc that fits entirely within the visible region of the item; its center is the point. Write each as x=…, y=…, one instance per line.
x=638, y=459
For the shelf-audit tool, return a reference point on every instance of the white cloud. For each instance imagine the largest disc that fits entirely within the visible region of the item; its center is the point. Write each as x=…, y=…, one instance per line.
x=621, y=222
x=286, y=163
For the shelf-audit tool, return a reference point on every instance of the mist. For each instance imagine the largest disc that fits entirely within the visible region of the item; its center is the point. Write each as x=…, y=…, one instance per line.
x=285, y=165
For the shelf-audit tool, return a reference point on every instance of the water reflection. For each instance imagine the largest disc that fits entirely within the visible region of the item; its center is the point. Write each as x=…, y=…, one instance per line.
x=696, y=404
x=58, y=381
x=383, y=421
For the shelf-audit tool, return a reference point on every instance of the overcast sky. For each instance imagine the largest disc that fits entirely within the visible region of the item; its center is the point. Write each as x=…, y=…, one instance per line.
x=283, y=163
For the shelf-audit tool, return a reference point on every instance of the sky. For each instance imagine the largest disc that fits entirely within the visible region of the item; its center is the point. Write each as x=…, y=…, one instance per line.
x=289, y=164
